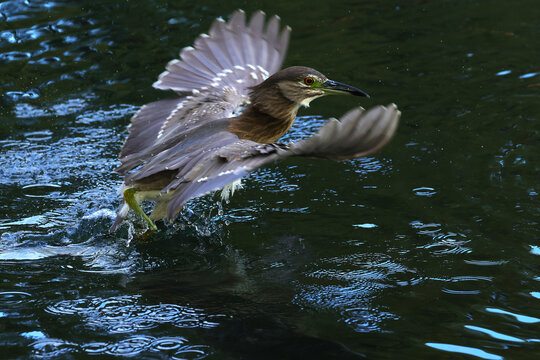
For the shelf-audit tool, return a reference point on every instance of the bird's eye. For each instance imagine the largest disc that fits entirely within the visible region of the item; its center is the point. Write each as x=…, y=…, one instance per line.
x=309, y=81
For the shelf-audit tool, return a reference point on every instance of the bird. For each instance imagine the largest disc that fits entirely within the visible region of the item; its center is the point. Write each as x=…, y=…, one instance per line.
x=233, y=104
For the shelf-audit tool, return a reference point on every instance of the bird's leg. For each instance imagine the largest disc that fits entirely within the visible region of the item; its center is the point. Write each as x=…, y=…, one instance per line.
x=129, y=198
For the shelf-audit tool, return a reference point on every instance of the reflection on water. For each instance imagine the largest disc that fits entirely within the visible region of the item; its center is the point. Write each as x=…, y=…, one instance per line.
x=426, y=250
x=465, y=350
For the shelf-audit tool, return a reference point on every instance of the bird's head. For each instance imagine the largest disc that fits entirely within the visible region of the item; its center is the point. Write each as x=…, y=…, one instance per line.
x=301, y=85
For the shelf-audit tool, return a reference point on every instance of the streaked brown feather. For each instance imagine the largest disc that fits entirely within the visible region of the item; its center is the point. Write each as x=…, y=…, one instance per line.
x=260, y=127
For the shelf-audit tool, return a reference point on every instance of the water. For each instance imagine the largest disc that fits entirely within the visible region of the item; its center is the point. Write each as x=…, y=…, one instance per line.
x=430, y=249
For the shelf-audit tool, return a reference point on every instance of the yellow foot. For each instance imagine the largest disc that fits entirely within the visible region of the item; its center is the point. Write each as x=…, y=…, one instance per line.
x=129, y=198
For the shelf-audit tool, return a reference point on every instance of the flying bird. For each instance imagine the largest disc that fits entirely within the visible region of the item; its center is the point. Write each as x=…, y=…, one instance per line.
x=233, y=105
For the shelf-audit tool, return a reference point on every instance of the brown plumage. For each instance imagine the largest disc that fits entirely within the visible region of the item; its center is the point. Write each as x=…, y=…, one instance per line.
x=270, y=114
x=260, y=127
x=229, y=114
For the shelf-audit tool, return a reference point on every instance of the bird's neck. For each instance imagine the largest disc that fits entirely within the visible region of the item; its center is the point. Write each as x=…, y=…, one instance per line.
x=265, y=120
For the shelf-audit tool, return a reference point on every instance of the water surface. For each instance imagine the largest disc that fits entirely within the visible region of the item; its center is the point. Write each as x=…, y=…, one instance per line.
x=429, y=249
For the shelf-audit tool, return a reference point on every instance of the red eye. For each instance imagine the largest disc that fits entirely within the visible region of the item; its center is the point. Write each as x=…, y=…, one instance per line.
x=309, y=81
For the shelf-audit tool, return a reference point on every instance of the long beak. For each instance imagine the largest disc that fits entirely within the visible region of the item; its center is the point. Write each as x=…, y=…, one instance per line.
x=334, y=87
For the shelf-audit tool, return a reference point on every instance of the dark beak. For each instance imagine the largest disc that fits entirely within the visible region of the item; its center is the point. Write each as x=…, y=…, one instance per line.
x=334, y=87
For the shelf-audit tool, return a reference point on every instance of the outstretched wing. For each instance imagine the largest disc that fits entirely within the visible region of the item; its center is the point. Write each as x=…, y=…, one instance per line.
x=358, y=133
x=213, y=80
x=233, y=55
x=212, y=166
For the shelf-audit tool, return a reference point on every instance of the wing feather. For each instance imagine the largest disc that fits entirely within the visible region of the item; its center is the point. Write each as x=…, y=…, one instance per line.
x=272, y=30
x=146, y=123
x=218, y=71
x=283, y=44
x=358, y=134
x=258, y=50
x=215, y=164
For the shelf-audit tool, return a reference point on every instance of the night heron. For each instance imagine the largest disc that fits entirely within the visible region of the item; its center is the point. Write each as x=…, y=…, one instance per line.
x=234, y=104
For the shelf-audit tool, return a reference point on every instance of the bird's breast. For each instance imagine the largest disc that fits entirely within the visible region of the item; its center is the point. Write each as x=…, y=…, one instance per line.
x=261, y=127
x=260, y=131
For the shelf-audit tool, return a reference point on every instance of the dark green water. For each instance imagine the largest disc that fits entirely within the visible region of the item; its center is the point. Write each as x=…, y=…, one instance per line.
x=428, y=250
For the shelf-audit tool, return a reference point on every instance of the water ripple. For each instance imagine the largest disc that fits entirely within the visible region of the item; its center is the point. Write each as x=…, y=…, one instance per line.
x=168, y=343
x=41, y=190
x=14, y=56
x=424, y=191
x=366, y=319
x=349, y=286
x=124, y=314
x=95, y=348
x=447, y=243
x=52, y=348
x=177, y=347
x=13, y=297
x=130, y=346
x=353, y=301
x=193, y=352
x=127, y=315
